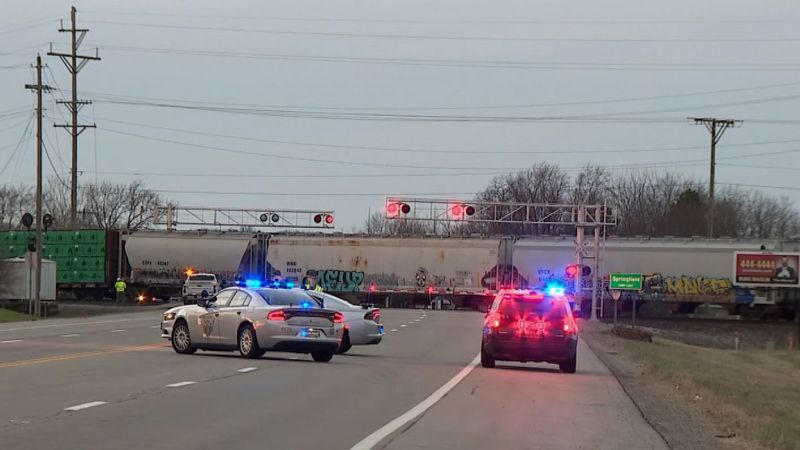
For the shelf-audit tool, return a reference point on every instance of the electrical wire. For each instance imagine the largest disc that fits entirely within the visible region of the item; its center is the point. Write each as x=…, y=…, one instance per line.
x=102, y=95
x=422, y=62
x=489, y=21
x=432, y=150
x=594, y=39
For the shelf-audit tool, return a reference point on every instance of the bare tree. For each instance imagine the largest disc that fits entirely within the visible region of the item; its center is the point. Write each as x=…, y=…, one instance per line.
x=119, y=205
x=14, y=202
x=591, y=185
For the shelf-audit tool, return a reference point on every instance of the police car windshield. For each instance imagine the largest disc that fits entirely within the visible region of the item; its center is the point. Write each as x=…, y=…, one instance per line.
x=285, y=297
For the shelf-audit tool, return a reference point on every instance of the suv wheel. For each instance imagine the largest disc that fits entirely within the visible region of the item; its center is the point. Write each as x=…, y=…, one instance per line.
x=570, y=365
x=487, y=360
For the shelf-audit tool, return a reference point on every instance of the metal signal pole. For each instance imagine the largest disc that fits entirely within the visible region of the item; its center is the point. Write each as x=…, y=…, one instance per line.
x=70, y=60
x=717, y=128
x=38, y=88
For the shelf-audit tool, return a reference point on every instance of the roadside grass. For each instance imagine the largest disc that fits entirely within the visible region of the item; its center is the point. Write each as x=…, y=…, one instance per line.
x=755, y=394
x=7, y=315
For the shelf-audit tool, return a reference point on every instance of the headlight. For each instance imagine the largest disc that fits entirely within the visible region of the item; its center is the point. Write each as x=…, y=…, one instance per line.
x=169, y=316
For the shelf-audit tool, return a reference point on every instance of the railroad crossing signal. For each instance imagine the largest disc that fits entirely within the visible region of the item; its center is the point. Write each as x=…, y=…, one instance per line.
x=174, y=216
x=394, y=209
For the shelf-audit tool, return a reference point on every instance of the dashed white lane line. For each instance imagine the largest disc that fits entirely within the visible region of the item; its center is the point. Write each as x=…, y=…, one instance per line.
x=393, y=330
x=117, y=331
x=403, y=325
x=385, y=431
x=181, y=384
x=84, y=406
x=247, y=369
x=10, y=341
x=70, y=335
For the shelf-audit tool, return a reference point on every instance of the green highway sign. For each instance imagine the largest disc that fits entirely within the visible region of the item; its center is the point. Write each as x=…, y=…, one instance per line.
x=625, y=282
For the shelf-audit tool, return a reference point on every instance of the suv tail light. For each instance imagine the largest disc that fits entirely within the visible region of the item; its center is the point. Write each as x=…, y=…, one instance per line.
x=374, y=315
x=570, y=327
x=278, y=314
x=338, y=317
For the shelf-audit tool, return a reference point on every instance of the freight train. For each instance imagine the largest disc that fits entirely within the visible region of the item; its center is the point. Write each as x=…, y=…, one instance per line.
x=681, y=272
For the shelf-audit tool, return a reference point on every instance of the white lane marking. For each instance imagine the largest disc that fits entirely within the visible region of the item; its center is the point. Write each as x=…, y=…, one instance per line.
x=56, y=325
x=395, y=329
x=10, y=341
x=382, y=433
x=247, y=369
x=117, y=331
x=84, y=406
x=181, y=384
x=403, y=325
x=70, y=335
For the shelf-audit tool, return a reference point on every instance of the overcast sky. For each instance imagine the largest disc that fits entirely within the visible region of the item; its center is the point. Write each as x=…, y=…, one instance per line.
x=338, y=66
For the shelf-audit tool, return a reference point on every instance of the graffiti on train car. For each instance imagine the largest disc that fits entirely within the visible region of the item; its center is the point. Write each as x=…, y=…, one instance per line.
x=689, y=285
x=341, y=280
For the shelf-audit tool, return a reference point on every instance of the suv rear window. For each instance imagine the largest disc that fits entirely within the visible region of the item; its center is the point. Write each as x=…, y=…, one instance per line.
x=201, y=277
x=280, y=297
x=521, y=304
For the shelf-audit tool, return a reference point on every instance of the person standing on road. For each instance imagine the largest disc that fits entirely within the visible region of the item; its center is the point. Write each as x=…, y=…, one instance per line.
x=120, y=287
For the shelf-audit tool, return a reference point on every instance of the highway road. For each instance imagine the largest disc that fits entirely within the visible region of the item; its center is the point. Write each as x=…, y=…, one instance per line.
x=112, y=382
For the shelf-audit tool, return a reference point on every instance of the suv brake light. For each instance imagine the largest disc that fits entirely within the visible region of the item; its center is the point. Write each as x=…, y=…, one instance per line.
x=278, y=314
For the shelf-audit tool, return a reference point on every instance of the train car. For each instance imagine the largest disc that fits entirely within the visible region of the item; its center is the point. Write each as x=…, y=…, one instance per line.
x=86, y=260
x=683, y=271
x=373, y=265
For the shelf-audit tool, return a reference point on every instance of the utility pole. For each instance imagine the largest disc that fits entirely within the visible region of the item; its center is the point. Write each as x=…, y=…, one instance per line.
x=70, y=60
x=38, y=88
x=717, y=128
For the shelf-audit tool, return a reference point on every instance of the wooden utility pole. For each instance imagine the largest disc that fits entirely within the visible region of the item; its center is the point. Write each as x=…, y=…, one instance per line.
x=717, y=128
x=70, y=60
x=37, y=278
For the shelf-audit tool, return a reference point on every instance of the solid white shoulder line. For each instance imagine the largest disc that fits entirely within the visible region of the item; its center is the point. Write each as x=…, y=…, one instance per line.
x=382, y=433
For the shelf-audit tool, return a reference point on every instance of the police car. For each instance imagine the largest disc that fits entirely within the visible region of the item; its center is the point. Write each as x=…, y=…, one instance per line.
x=530, y=326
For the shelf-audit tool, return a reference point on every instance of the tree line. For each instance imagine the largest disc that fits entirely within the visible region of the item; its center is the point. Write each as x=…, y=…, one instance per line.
x=646, y=203
x=104, y=205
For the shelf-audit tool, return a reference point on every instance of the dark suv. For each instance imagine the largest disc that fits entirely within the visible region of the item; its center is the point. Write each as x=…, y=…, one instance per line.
x=529, y=326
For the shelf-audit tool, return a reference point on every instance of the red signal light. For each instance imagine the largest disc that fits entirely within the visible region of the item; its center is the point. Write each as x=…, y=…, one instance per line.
x=326, y=217
x=572, y=270
x=460, y=211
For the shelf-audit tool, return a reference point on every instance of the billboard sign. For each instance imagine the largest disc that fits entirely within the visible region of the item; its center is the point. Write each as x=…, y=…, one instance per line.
x=766, y=269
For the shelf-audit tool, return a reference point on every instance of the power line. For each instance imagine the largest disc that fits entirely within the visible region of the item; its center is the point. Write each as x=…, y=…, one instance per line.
x=595, y=39
x=467, y=107
x=763, y=186
x=433, y=150
x=322, y=115
x=489, y=21
x=490, y=64
x=330, y=161
x=753, y=166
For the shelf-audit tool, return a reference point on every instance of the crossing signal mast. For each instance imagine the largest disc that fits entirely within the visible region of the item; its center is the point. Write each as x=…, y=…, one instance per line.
x=174, y=216
x=595, y=217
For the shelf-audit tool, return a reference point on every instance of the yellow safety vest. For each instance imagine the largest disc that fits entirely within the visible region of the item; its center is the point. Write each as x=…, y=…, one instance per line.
x=120, y=286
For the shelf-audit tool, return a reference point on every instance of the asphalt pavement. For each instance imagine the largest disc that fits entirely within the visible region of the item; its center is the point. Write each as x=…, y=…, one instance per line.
x=112, y=382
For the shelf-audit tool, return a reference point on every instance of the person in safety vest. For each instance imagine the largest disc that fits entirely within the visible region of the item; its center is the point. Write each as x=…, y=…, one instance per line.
x=120, y=287
x=311, y=284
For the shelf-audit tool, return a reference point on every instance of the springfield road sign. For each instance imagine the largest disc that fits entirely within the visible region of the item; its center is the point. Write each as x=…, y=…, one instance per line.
x=625, y=282
x=766, y=269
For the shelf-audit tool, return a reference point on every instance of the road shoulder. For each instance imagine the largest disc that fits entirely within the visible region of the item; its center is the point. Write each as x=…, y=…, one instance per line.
x=683, y=425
